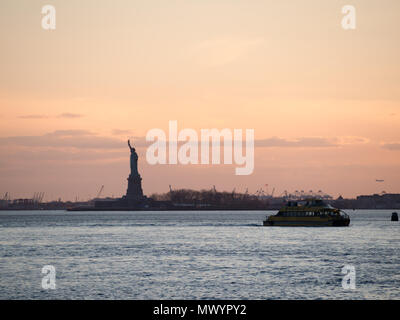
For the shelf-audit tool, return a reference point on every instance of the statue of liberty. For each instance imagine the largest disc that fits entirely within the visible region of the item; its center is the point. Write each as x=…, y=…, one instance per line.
x=134, y=160
x=134, y=191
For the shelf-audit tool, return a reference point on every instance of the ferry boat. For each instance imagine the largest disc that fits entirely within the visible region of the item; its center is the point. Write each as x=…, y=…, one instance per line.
x=308, y=213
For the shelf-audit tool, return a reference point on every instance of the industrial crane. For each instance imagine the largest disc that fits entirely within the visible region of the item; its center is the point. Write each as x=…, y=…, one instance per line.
x=100, y=191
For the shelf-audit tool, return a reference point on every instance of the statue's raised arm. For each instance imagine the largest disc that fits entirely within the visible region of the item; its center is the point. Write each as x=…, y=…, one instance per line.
x=130, y=147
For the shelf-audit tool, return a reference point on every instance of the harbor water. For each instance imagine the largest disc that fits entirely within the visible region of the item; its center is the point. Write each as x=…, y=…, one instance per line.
x=195, y=255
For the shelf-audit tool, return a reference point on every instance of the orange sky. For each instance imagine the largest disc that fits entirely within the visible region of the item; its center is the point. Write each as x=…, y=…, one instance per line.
x=324, y=102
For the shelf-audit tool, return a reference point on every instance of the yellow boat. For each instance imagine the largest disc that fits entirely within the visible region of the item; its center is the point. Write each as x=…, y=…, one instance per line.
x=308, y=213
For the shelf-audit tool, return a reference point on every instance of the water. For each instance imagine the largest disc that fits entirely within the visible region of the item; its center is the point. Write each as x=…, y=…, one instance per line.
x=195, y=255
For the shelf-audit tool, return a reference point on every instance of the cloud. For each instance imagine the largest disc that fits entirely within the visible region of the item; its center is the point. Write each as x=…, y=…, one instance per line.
x=33, y=116
x=84, y=139
x=308, y=142
x=65, y=115
x=118, y=132
x=58, y=154
x=65, y=133
x=352, y=140
x=395, y=146
x=80, y=139
x=70, y=115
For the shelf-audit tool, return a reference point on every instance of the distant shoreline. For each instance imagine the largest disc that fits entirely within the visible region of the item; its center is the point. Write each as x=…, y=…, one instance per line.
x=170, y=210
x=211, y=201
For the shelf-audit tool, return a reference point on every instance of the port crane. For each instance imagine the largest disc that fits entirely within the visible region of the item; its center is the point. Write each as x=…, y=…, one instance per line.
x=38, y=197
x=272, y=193
x=261, y=194
x=100, y=191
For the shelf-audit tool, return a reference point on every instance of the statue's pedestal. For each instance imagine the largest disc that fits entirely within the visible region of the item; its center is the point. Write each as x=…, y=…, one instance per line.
x=134, y=191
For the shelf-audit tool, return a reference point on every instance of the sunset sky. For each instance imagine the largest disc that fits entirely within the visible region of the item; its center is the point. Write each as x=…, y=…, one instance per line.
x=324, y=102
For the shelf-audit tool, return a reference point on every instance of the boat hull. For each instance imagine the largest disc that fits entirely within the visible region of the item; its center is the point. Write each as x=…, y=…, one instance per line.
x=293, y=222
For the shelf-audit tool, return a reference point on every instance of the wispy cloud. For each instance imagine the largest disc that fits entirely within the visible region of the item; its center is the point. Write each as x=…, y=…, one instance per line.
x=118, y=132
x=70, y=115
x=307, y=142
x=65, y=115
x=352, y=140
x=33, y=116
x=310, y=142
x=394, y=146
x=80, y=139
x=59, y=154
x=65, y=133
